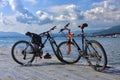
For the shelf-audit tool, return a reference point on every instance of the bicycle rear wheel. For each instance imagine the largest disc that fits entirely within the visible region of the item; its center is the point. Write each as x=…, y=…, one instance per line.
x=67, y=56
x=97, y=57
x=23, y=52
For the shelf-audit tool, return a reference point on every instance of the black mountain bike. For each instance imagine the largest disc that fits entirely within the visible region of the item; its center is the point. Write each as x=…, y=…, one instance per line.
x=92, y=50
x=24, y=52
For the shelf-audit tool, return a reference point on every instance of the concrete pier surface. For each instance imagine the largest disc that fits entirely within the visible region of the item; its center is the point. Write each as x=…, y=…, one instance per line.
x=51, y=69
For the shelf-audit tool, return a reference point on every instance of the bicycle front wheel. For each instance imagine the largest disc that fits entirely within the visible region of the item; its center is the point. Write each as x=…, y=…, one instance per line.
x=22, y=52
x=97, y=57
x=54, y=47
x=68, y=53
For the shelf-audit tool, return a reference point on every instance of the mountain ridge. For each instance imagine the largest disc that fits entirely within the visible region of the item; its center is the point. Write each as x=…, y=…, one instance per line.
x=111, y=30
x=10, y=34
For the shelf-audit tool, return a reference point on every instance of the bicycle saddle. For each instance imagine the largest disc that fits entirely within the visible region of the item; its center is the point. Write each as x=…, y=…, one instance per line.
x=82, y=26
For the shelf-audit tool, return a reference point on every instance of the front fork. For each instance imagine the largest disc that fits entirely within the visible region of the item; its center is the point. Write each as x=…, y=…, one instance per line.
x=73, y=42
x=69, y=46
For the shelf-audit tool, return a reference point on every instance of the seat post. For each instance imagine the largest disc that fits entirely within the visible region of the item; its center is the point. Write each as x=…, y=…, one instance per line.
x=82, y=39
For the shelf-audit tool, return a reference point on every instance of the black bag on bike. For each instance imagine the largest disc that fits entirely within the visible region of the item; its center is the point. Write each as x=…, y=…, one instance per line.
x=36, y=39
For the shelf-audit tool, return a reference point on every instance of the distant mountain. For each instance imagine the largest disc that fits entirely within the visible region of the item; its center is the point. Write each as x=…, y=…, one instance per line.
x=112, y=30
x=86, y=31
x=10, y=34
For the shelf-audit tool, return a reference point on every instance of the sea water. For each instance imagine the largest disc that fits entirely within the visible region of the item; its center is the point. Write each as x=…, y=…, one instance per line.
x=111, y=45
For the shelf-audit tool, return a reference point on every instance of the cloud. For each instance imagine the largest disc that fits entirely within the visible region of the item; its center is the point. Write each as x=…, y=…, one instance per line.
x=66, y=12
x=44, y=17
x=5, y=20
x=23, y=15
x=10, y=24
x=32, y=1
x=101, y=14
x=3, y=3
x=93, y=14
x=24, y=20
x=104, y=13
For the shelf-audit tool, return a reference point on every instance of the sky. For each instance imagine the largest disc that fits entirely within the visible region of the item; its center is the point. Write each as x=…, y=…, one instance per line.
x=40, y=15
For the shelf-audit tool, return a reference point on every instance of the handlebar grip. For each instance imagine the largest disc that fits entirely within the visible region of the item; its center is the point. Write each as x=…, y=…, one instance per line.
x=61, y=30
x=53, y=28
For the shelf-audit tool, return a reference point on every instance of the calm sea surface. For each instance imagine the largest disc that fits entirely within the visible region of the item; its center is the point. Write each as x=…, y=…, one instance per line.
x=111, y=45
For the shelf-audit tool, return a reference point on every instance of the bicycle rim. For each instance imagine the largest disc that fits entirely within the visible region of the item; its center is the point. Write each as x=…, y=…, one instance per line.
x=96, y=55
x=67, y=56
x=22, y=52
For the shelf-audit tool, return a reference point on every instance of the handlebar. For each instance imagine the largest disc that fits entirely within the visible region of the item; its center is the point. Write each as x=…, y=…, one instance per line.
x=31, y=34
x=65, y=27
x=82, y=26
x=48, y=30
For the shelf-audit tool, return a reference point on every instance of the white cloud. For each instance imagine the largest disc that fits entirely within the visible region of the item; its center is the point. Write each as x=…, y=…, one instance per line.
x=103, y=13
x=63, y=8
x=93, y=14
x=32, y=1
x=66, y=12
x=3, y=3
x=43, y=15
x=5, y=20
x=23, y=20
x=106, y=12
x=10, y=24
x=16, y=5
x=23, y=15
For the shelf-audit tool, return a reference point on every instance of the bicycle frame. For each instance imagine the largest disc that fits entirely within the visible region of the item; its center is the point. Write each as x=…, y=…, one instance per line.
x=71, y=39
x=49, y=38
x=84, y=42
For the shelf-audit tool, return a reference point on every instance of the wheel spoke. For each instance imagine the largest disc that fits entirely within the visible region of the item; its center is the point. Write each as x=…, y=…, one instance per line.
x=97, y=56
x=68, y=53
x=22, y=52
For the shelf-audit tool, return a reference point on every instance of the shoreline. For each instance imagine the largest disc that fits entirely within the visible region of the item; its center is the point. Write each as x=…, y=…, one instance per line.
x=51, y=69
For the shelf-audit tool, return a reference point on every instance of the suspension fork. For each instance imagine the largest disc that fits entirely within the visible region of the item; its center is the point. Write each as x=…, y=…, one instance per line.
x=69, y=46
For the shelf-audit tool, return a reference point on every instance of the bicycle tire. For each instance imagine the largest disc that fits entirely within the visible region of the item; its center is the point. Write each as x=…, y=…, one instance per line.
x=23, y=52
x=71, y=58
x=97, y=57
x=54, y=47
